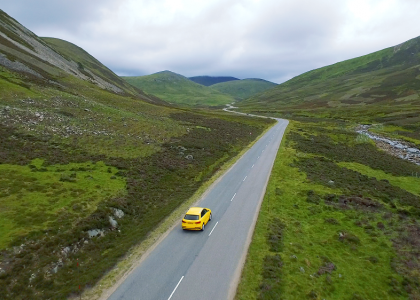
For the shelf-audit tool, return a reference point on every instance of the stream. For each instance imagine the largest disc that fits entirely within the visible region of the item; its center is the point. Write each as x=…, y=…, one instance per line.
x=394, y=147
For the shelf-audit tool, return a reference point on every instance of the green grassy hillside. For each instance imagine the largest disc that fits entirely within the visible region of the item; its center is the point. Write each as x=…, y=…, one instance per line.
x=210, y=80
x=385, y=81
x=175, y=88
x=243, y=89
x=89, y=165
x=87, y=63
x=47, y=61
x=340, y=219
x=382, y=87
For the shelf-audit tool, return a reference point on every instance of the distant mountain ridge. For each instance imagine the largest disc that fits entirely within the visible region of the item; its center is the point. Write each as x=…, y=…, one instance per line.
x=175, y=88
x=245, y=88
x=210, y=80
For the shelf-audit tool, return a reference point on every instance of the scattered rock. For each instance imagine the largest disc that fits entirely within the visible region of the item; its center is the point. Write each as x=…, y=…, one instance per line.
x=413, y=150
x=95, y=232
x=18, y=250
x=118, y=213
x=114, y=224
x=66, y=251
x=60, y=262
x=302, y=269
x=189, y=157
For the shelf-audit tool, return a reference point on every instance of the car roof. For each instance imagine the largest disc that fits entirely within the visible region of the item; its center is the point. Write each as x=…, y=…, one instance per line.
x=194, y=211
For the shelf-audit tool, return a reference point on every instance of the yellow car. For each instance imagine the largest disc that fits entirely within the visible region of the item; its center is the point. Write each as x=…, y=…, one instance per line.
x=196, y=218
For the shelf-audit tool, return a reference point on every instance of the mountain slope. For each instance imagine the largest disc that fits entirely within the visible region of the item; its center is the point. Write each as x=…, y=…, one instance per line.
x=87, y=64
x=210, y=80
x=385, y=81
x=176, y=88
x=243, y=89
x=23, y=51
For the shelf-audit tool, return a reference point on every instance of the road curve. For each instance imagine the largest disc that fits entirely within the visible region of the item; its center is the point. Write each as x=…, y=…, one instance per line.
x=207, y=264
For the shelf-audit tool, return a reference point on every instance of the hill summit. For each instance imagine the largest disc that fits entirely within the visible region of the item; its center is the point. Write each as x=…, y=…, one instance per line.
x=245, y=88
x=175, y=88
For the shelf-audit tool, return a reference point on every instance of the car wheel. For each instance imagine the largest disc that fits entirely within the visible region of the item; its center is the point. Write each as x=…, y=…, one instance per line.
x=202, y=227
x=210, y=218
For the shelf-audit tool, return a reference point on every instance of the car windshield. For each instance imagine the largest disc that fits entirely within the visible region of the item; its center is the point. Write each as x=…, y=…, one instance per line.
x=191, y=217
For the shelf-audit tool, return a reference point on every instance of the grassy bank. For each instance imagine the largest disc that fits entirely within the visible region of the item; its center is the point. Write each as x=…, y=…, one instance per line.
x=339, y=221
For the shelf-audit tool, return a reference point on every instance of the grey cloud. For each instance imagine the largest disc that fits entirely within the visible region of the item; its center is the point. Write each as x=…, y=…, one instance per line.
x=40, y=15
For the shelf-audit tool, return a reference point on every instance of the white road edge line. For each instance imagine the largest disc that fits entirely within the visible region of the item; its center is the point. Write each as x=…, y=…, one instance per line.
x=212, y=230
x=245, y=177
x=233, y=197
x=175, y=288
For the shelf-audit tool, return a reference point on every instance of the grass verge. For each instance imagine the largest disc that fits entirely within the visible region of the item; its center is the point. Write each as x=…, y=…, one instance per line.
x=334, y=225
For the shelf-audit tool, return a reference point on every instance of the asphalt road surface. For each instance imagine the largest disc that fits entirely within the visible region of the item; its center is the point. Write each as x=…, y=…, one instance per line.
x=207, y=264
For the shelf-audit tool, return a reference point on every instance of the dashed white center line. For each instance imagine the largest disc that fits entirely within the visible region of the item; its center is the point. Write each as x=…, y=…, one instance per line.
x=213, y=228
x=245, y=178
x=175, y=288
x=233, y=197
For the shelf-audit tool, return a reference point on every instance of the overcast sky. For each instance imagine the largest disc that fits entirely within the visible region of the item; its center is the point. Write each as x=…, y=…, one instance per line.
x=270, y=39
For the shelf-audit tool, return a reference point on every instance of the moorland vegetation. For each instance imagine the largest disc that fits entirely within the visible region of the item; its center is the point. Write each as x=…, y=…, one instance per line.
x=340, y=219
x=90, y=164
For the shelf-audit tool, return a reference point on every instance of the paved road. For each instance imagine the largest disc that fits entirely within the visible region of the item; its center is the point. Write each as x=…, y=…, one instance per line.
x=207, y=265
